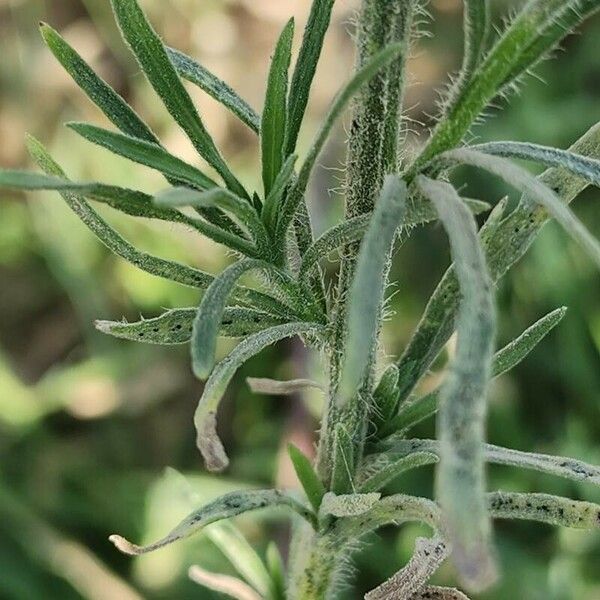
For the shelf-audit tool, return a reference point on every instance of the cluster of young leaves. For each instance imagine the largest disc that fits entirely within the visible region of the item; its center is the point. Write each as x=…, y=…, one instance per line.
x=266, y=231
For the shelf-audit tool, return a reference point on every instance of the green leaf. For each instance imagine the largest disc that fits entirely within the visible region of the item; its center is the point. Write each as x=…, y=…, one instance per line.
x=588, y=168
x=110, y=238
x=195, y=73
x=205, y=417
x=344, y=460
x=274, y=119
x=461, y=425
x=418, y=212
x=537, y=190
x=242, y=556
x=99, y=92
x=306, y=66
x=559, y=466
x=413, y=412
x=130, y=202
x=347, y=505
x=210, y=312
x=492, y=75
x=360, y=78
x=381, y=470
x=145, y=153
x=226, y=507
x=244, y=213
x=175, y=326
x=427, y=558
x=313, y=488
x=544, y=508
x=505, y=242
x=154, y=61
x=277, y=194
x=396, y=510
x=277, y=571
x=368, y=287
x=222, y=584
x=109, y=102
x=153, y=265
x=476, y=27
x=566, y=19
x=512, y=354
x=384, y=397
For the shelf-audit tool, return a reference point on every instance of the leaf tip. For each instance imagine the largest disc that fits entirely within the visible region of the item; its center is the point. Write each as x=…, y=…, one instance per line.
x=125, y=546
x=103, y=326
x=210, y=445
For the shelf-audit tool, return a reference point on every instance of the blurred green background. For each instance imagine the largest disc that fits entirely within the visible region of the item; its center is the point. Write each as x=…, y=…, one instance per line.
x=88, y=424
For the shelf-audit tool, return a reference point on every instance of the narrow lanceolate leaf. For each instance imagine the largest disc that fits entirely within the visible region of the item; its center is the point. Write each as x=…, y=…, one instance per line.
x=145, y=153
x=232, y=543
x=226, y=507
x=550, y=34
x=360, y=78
x=223, y=584
x=99, y=92
x=175, y=326
x=306, y=66
x=461, y=426
x=274, y=387
x=276, y=568
x=211, y=313
x=396, y=509
x=418, y=212
x=515, y=352
x=333, y=239
x=205, y=418
x=154, y=61
x=243, y=213
x=428, y=557
x=585, y=167
x=498, y=66
x=273, y=201
x=383, y=469
x=195, y=73
x=130, y=202
x=527, y=183
x=313, y=488
x=413, y=412
x=384, y=397
x=368, y=287
x=545, y=508
x=477, y=24
x=348, y=505
x=274, y=118
x=505, y=242
x=110, y=238
x=559, y=466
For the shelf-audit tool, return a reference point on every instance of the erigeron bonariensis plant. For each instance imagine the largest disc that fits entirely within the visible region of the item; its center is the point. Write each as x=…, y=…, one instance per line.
x=365, y=432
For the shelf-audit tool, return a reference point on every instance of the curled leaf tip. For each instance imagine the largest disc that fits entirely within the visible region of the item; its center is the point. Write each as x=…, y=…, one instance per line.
x=125, y=546
x=210, y=445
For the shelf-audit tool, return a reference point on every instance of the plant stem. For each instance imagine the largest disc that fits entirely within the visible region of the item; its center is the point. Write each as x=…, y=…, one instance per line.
x=372, y=153
x=316, y=556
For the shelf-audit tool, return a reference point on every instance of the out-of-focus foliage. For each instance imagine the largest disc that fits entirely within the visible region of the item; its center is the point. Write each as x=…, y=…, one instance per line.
x=88, y=424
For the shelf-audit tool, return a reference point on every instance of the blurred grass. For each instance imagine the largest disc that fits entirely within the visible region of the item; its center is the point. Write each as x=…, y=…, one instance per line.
x=88, y=424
